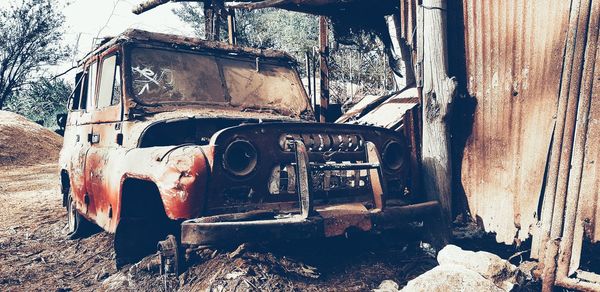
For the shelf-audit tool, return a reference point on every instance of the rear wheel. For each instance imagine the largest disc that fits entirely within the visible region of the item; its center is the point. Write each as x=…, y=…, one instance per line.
x=78, y=226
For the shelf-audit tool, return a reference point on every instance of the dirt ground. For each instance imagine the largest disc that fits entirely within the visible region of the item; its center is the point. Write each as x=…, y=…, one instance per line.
x=34, y=251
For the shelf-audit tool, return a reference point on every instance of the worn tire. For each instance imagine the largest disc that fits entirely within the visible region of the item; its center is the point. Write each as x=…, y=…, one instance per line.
x=78, y=226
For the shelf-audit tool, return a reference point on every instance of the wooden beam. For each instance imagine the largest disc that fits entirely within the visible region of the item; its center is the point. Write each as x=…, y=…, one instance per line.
x=231, y=28
x=150, y=4
x=324, y=53
x=438, y=93
x=260, y=5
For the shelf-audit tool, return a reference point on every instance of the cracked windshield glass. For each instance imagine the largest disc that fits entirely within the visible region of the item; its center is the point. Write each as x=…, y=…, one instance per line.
x=163, y=76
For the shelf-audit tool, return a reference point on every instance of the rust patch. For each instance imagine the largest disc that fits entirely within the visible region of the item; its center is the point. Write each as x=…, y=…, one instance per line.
x=337, y=219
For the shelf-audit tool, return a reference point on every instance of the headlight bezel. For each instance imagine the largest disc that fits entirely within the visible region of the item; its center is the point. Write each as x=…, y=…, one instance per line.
x=240, y=158
x=393, y=155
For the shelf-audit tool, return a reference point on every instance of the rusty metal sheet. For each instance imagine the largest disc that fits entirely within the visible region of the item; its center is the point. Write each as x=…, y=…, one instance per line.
x=514, y=61
x=337, y=219
x=384, y=111
x=408, y=21
x=390, y=113
x=358, y=109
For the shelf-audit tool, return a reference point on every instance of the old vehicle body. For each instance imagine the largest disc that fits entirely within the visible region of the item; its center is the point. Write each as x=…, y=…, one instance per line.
x=167, y=133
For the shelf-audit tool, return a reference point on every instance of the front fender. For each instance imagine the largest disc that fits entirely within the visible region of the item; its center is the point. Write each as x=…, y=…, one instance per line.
x=181, y=174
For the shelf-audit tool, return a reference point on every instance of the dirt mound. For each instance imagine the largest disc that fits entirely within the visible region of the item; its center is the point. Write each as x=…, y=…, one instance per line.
x=23, y=142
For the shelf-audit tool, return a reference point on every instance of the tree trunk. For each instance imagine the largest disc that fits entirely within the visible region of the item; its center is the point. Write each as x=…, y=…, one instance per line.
x=437, y=95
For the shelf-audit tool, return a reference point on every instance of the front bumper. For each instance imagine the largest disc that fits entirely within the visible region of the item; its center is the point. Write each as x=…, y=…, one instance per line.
x=325, y=222
x=310, y=222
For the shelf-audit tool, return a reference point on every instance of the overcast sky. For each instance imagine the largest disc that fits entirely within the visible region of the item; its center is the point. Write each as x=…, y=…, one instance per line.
x=87, y=19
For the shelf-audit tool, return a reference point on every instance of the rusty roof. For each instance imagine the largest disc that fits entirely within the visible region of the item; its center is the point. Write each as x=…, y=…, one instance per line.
x=143, y=36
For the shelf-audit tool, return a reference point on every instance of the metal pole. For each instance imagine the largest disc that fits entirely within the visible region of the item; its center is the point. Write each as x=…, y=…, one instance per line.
x=351, y=79
x=307, y=56
x=314, y=82
x=231, y=27
x=324, y=53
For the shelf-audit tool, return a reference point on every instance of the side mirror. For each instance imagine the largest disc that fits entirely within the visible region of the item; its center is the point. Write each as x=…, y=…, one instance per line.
x=61, y=120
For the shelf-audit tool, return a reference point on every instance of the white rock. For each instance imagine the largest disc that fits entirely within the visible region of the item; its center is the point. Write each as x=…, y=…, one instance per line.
x=486, y=264
x=451, y=278
x=387, y=286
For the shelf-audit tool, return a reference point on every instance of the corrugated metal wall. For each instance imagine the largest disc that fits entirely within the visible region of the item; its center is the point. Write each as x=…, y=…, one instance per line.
x=514, y=55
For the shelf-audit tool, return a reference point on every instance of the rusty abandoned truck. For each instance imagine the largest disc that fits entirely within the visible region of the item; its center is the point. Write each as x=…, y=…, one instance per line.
x=218, y=143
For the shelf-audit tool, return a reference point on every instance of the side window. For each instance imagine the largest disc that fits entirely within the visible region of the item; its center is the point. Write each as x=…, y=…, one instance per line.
x=109, y=89
x=74, y=104
x=90, y=86
x=117, y=90
x=84, y=90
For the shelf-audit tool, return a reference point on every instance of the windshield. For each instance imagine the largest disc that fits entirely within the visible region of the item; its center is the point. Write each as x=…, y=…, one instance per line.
x=162, y=76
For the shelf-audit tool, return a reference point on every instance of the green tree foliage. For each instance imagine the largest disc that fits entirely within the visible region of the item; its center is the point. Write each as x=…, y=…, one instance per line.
x=41, y=100
x=278, y=29
x=31, y=31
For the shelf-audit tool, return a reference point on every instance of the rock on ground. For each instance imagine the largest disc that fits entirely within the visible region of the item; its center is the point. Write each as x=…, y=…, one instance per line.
x=387, y=286
x=488, y=265
x=451, y=277
x=461, y=270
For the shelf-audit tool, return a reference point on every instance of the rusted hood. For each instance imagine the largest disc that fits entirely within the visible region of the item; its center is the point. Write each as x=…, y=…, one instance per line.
x=172, y=114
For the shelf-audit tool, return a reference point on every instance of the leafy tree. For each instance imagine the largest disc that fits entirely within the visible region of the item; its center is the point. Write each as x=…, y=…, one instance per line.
x=31, y=31
x=292, y=32
x=41, y=100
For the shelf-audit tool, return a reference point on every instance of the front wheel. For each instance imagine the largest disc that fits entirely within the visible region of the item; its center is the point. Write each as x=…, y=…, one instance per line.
x=78, y=226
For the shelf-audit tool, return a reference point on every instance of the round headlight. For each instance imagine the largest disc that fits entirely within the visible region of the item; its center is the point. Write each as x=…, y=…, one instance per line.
x=393, y=155
x=240, y=158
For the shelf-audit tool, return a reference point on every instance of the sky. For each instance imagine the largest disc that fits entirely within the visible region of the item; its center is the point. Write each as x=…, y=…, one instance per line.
x=87, y=19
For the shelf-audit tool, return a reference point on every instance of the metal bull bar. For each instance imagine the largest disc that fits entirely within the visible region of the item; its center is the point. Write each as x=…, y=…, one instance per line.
x=304, y=168
x=310, y=222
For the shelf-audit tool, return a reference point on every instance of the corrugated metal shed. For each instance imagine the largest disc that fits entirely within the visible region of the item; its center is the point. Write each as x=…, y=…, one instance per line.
x=514, y=53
